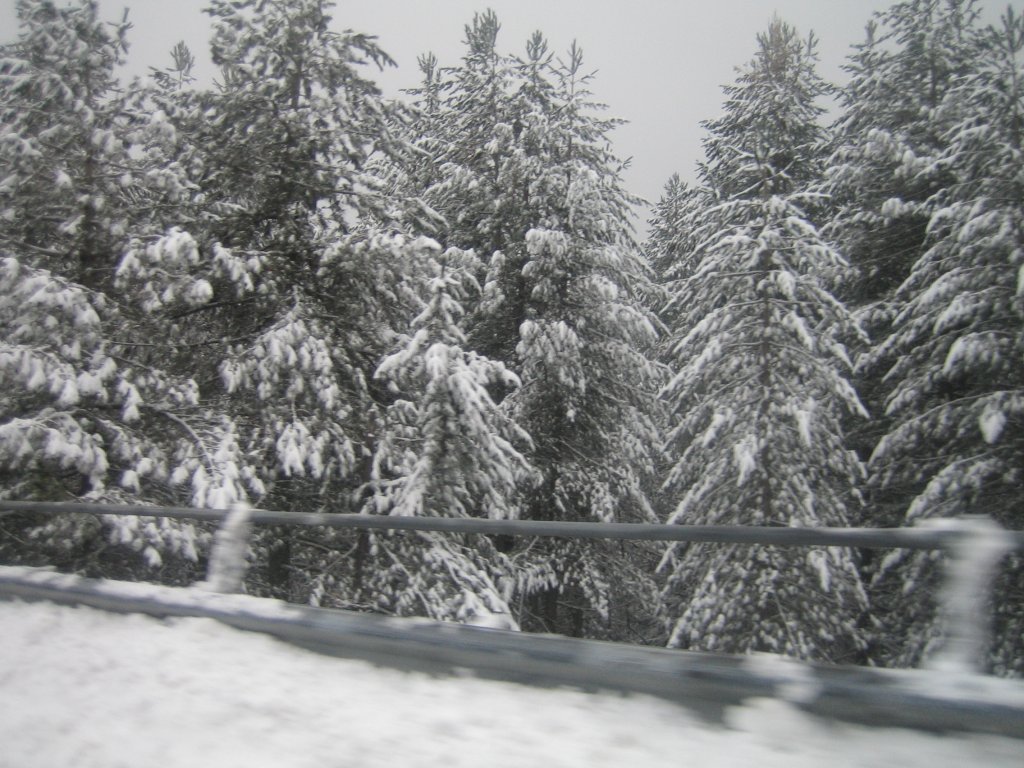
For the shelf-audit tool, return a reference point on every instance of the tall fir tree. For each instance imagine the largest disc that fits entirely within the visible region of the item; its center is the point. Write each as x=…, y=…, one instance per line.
x=528, y=181
x=669, y=241
x=888, y=132
x=447, y=450
x=89, y=411
x=760, y=391
x=955, y=381
x=585, y=345
x=289, y=136
x=889, y=129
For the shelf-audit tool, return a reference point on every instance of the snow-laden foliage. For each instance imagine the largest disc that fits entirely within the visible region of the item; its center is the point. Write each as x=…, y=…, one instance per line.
x=447, y=450
x=442, y=576
x=585, y=341
x=296, y=117
x=63, y=151
x=757, y=409
x=668, y=244
x=774, y=97
x=527, y=180
x=955, y=357
x=882, y=169
x=88, y=409
x=75, y=412
x=760, y=388
x=310, y=279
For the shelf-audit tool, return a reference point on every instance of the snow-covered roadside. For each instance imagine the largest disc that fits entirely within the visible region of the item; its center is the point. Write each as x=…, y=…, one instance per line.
x=84, y=688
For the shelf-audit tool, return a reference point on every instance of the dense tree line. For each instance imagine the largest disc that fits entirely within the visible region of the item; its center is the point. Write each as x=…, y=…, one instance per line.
x=286, y=289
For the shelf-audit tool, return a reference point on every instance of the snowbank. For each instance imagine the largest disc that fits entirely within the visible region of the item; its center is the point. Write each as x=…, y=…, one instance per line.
x=86, y=688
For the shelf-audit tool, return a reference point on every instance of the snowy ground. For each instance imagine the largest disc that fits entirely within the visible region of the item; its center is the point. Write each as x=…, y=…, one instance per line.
x=84, y=688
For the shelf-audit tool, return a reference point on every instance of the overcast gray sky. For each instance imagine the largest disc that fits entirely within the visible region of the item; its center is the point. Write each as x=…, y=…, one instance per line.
x=660, y=63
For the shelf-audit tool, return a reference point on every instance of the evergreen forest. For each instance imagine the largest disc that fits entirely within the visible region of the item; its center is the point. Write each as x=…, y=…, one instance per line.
x=287, y=290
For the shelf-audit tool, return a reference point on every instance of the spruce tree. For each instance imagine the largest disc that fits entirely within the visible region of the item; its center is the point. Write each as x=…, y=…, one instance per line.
x=668, y=242
x=447, y=450
x=287, y=142
x=528, y=181
x=760, y=388
x=585, y=346
x=90, y=410
x=888, y=131
x=955, y=381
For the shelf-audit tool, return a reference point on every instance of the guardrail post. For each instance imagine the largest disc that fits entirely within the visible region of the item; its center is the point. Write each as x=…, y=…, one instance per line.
x=228, y=563
x=965, y=600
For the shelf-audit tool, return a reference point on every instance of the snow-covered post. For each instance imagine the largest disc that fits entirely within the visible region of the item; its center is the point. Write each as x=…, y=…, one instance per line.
x=228, y=565
x=973, y=562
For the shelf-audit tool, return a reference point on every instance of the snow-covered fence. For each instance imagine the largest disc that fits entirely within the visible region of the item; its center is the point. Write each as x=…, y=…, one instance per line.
x=974, y=546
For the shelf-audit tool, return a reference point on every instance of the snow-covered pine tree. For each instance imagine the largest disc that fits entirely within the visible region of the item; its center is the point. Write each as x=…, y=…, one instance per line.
x=955, y=375
x=760, y=390
x=87, y=411
x=447, y=450
x=473, y=135
x=668, y=240
x=584, y=348
x=315, y=275
x=528, y=182
x=888, y=131
x=465, y=462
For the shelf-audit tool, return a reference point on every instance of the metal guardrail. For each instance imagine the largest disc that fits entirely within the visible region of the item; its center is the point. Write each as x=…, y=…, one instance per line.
x=706, y=683
x=863, y=538
x=974, y=546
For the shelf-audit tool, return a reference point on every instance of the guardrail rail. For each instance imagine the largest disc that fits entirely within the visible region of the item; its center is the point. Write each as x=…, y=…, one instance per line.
x=705, y=681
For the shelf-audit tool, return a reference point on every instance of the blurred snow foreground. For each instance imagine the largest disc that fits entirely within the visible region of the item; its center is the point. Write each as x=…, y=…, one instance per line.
x=966, y=595
x=230, y=547
x=88, y=688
